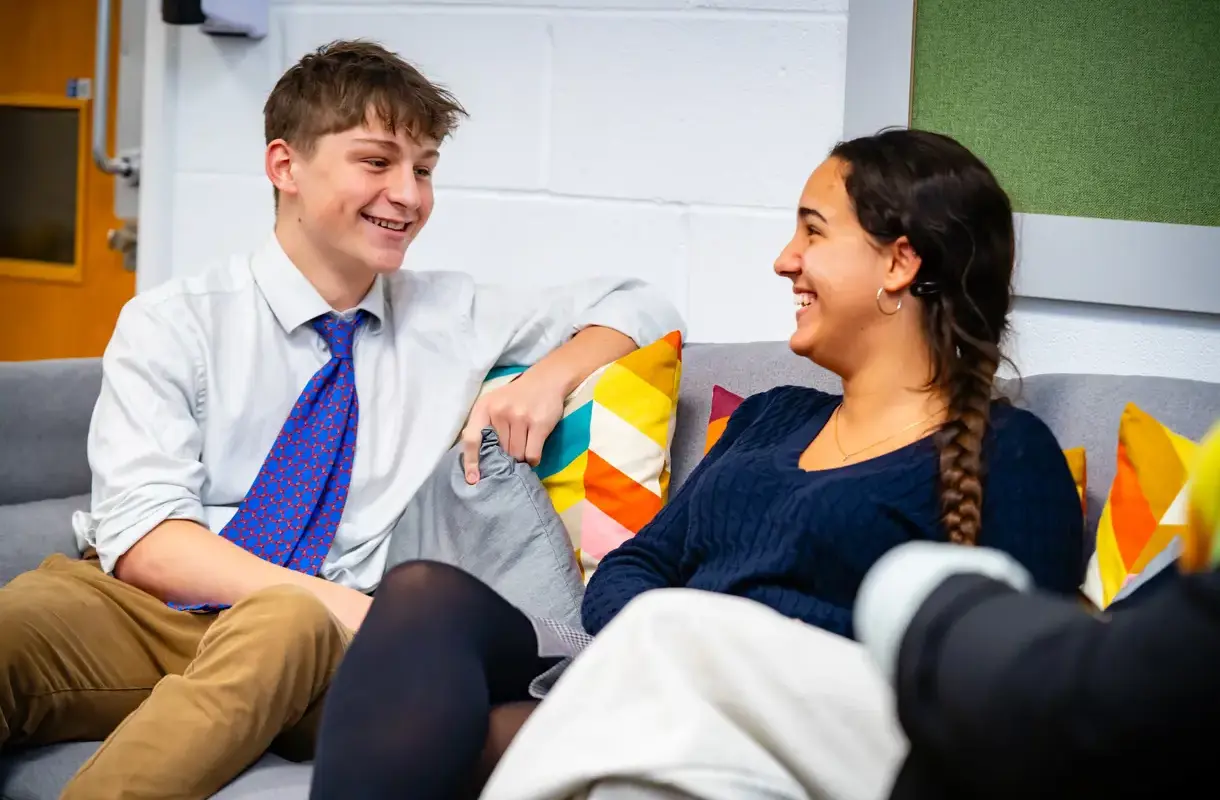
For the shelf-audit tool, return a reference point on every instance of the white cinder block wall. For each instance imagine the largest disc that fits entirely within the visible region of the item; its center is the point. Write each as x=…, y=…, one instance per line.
x=666, y=139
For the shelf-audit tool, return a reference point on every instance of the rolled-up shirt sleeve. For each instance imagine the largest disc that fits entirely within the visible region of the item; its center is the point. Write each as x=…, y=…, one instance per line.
x=144, y=439
x=541, y=319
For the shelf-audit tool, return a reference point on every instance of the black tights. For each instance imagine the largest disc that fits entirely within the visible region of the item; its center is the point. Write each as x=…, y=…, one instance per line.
x=407, y=713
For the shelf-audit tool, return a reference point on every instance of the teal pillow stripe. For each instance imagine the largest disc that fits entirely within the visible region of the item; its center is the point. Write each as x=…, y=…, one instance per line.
x=570, y=437
x=505, y=371
x=565, y=444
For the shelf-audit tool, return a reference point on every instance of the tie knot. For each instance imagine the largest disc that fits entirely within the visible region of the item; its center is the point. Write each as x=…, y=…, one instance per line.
x=338, y=332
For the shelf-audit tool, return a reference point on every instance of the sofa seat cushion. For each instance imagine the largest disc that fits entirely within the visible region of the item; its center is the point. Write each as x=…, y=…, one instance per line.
x=271, y=778
x=42, y=772
x=32, y=531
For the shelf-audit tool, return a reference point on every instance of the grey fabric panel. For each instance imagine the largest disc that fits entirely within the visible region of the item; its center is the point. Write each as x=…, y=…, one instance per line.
x=29, y=532
x=1084, y=411
x=503, y=530
x=41, y=773
x=45, y=407
x=743, y=369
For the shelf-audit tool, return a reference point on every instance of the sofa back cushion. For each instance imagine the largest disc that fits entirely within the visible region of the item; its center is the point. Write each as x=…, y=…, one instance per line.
x=1085, y=410
x=1081, y=410
x=29, y=532
x=45, y=407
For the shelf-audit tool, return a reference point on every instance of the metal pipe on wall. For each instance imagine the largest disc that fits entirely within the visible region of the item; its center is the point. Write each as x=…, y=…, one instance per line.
x=124, y=166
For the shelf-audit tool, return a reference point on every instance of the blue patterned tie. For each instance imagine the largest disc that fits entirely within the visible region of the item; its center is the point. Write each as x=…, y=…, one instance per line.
x=293, y=508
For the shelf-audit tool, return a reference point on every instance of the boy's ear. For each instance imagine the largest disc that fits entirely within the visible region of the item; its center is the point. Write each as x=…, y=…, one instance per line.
x=279, y=160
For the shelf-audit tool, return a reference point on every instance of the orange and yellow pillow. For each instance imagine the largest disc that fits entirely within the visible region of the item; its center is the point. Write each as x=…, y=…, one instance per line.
x=1078, y=465
x=1146, y=510
x=1201, y=548
x=605, y=467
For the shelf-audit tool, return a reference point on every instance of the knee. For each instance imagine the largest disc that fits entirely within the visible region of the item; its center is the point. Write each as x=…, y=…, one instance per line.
x=666, y=613
x=419, y=592
x=426, y=577
x=665, y=604
x=19, y=626
x=287, y=619
x=25, y=619
x=28, y=659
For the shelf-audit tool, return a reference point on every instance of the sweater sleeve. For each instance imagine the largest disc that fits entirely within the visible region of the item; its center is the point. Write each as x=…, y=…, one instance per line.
x=1012, y=693
x=652, y=558
x=1030, y=506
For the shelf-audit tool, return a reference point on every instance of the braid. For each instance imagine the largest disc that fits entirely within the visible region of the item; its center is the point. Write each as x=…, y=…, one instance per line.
x=968, y=378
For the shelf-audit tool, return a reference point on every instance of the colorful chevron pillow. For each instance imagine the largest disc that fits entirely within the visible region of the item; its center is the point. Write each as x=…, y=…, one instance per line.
x=1078, y=465
x=1145, y=515
x=606, y=464
x=724, y=403
x=1202, y=547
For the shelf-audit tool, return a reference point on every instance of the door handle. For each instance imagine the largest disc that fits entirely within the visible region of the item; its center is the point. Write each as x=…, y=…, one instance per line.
x=124, y=166
x=125, y=240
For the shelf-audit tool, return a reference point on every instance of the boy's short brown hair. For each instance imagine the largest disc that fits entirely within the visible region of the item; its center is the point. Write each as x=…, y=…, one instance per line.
x=336, y=87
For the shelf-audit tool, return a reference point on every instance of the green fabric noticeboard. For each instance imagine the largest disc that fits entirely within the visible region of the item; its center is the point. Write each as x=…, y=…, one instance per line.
x=1085, y=108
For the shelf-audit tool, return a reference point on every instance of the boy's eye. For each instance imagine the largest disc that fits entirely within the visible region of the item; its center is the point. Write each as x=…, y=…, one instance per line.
x=812, y=231
x=423, y=172
x=379, y=163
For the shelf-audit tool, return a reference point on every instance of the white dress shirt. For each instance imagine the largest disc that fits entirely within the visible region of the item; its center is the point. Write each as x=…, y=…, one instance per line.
x=201, y=373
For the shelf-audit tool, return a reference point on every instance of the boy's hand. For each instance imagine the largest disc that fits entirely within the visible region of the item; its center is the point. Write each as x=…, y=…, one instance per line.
x=523, y=414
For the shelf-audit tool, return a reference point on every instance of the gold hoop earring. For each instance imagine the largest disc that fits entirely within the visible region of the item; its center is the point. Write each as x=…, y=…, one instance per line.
x=881, y=308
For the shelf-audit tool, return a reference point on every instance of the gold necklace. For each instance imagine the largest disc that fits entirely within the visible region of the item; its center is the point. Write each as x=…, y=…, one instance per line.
x=847, y=455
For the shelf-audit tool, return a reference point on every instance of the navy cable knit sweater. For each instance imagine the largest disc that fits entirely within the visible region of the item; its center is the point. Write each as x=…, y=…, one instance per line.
x=749, y=522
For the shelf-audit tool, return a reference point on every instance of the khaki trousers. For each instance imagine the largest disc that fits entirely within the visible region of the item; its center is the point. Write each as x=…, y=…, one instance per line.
x=184, y=701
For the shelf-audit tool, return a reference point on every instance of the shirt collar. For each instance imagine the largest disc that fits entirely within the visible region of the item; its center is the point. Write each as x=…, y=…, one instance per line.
x=294, y=300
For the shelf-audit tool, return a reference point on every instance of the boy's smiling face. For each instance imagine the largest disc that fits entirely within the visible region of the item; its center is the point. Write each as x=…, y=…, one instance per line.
x=362, y=195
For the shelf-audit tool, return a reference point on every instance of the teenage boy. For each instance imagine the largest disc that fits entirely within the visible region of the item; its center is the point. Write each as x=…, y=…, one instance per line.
x=260, y=429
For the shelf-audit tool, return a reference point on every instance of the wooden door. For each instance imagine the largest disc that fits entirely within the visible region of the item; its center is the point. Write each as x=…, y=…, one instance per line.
x=61, y=286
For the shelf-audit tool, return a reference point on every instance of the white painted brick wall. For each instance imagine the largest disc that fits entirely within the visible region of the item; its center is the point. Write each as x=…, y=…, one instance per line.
x=666, y=139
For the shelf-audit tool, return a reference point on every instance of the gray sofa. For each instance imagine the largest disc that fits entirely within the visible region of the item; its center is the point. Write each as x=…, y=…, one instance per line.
x=45, y=409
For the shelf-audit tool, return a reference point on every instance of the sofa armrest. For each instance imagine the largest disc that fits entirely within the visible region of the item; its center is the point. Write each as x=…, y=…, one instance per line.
x=45, y=408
